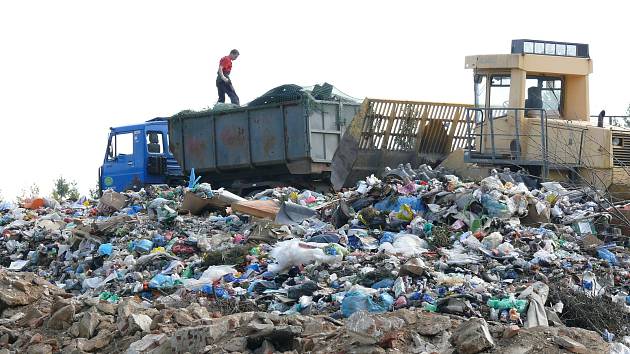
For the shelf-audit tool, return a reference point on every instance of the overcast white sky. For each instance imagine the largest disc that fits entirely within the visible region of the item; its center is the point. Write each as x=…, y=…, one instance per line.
x=69, y=70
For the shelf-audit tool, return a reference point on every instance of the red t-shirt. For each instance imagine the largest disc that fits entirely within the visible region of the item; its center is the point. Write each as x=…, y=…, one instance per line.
x=226, y=64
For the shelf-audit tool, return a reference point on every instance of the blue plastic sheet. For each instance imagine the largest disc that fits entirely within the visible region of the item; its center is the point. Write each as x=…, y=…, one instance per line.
x=324, y=238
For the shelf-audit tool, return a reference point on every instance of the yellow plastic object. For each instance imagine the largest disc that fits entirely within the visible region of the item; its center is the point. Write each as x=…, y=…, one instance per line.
x=405, y=213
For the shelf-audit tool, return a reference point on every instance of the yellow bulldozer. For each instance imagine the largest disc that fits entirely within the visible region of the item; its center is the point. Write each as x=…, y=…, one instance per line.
x=531, y=112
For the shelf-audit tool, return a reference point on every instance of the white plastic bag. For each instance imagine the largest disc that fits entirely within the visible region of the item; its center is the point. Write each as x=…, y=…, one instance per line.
x=406, y=245
x=209, y=276
x=492, y=183
x=295, y=252
x=505, y=249
x=492, y=241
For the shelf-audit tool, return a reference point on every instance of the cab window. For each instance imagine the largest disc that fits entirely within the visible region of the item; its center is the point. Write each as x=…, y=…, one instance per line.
x=544, y=93
x=120, y=145
x=500, y=91
x=155, y=142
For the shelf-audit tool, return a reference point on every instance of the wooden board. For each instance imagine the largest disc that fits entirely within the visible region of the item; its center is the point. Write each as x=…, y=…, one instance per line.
x=258, y=208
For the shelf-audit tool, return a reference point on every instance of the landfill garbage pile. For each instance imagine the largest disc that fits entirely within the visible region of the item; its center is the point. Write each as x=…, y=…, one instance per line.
x=417, y=261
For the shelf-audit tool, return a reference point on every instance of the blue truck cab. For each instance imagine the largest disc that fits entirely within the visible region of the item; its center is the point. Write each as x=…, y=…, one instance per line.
x=139, y=155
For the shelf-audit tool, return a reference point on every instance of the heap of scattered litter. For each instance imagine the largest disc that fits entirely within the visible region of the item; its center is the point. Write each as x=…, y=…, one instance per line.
x=414, y=261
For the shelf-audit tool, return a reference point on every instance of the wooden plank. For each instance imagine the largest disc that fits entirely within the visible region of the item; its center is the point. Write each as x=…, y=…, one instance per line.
x=258, y=208
x=452, y=128
x=390, y=122
x=423, y=121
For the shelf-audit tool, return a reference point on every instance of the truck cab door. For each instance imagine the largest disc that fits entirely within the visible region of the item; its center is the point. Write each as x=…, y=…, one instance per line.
x=123, y=165
x=156, y=159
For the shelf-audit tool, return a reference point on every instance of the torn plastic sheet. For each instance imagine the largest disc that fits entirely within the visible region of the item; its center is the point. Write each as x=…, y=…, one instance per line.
x=537, y=296
x=458, y=255
x=293, y=214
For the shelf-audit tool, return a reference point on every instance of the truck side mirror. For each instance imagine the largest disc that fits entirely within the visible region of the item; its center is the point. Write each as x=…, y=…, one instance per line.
x=110, y=152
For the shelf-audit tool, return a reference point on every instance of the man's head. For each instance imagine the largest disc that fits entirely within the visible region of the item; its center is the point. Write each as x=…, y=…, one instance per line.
x=234, y=54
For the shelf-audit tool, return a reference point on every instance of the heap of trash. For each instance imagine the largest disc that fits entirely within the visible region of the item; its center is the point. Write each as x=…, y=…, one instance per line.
x=413, y=261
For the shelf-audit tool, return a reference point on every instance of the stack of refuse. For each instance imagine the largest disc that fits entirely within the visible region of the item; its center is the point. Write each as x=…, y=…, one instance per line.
x=492, y=258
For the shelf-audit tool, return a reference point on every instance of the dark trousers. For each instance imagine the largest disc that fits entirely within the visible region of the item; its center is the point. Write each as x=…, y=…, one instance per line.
x=226, y=87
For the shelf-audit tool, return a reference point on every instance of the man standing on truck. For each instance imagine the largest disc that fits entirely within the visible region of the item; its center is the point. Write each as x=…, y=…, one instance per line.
x=224, y=84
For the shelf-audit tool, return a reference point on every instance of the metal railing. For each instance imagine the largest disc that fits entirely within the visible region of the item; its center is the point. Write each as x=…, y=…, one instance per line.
x=484, y=120
x=613, y=121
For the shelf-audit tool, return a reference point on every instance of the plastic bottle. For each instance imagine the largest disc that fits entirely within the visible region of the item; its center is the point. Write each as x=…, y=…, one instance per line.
x=608, y=337
x=494, y=314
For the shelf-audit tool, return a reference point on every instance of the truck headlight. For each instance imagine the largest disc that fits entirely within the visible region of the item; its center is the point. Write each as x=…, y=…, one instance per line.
x=616, y=141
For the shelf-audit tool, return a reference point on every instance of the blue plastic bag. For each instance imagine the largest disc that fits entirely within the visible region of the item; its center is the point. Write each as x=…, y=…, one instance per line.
x=143, y=246
x=387, y=237
x=159, y=240
x=416, y=204
x=217, y=291
x=105, y=249
x=607, y=256
x=161, y=281
x=382, y=284
x=354, y=242
x=134, y=209
x=356, y=300
x=494, y=208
